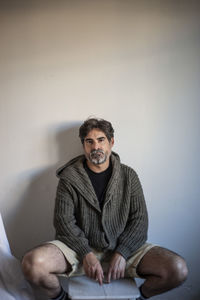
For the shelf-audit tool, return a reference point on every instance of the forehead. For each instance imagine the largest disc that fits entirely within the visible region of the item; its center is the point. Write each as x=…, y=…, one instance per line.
x=95, y=134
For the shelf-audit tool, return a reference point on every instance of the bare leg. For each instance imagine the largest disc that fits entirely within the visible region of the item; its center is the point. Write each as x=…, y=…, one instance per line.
x=163, y=271
x=41, y=265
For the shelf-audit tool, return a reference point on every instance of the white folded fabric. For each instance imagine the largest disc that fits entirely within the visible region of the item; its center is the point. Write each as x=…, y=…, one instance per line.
x=13, y=285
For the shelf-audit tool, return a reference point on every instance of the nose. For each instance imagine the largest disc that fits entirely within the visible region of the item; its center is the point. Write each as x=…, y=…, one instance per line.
x=95, y=145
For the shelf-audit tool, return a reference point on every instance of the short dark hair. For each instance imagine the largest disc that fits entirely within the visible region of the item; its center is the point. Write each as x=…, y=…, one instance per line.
x=93, y=123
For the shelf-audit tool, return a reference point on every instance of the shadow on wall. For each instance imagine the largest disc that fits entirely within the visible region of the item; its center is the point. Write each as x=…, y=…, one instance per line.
x=31, y=223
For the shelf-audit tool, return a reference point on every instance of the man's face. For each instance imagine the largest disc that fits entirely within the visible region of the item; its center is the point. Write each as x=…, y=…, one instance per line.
x=96, y=146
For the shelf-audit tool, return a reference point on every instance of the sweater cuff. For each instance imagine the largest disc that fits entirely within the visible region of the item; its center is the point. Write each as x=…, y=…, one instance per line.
x=124, y=251
x=83, y=252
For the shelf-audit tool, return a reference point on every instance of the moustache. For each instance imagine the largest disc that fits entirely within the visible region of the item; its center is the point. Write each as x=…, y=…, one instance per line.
x=98, y=151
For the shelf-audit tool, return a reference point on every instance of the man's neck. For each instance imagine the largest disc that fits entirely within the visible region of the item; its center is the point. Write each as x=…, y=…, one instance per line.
x=98, y=168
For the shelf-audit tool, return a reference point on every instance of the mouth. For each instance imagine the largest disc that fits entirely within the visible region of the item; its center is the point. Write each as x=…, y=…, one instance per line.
x=97, y=153
x=97, y=156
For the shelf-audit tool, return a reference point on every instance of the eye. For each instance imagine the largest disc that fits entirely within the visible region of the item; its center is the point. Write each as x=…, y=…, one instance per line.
x=89, y=142
x=101, y=139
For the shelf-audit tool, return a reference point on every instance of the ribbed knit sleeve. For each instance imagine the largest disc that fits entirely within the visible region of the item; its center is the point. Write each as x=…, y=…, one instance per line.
x=65, y=223
x=135, y=232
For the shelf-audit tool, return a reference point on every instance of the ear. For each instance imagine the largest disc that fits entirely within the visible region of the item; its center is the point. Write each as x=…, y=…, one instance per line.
x=112, y=141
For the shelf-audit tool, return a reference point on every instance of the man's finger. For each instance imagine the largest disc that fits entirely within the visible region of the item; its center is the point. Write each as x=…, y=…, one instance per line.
x=87, y=272
x=109, y=275
x=93, y=272
x=123, y=273
x=118, y=274
x=90, y=273
x=99, y=276
x=114, y=274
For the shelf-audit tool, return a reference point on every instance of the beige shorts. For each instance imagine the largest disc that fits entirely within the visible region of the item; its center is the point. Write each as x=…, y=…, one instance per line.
x=103, y=257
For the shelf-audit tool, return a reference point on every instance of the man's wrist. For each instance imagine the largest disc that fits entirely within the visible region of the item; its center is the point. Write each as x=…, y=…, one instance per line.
x=117, y=253
x=123, y=251
x=85, y=255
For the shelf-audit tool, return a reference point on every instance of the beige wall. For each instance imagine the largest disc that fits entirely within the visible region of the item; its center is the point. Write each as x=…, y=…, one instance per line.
x=136, y=63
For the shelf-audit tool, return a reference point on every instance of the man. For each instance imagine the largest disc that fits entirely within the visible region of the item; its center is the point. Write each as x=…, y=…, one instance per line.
x=101, y=224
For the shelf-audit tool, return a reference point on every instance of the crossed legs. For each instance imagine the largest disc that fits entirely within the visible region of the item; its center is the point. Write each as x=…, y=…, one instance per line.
x=162, y=270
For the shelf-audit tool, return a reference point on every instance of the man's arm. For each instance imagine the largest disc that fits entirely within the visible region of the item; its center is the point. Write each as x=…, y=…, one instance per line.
x=135, y=232
x=65, y=223
x=69, y=233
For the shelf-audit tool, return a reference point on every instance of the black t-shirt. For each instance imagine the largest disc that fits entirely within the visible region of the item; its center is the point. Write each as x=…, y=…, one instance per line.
x=99, y=181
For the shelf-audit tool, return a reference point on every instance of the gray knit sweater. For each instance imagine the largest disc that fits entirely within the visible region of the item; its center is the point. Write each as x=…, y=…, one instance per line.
x=80, y=223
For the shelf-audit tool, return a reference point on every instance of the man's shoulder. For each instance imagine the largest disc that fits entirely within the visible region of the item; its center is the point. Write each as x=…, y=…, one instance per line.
x=124, y=169
x=70, y=167
x=127, y=170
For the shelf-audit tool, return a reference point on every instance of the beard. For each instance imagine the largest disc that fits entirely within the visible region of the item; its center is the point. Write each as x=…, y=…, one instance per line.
x=97, y=157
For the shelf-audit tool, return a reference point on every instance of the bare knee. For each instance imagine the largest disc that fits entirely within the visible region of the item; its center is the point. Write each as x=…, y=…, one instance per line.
x=176, y=271
x=43, y=263
x=165, y=265
x=181, y=270
x=34, y=266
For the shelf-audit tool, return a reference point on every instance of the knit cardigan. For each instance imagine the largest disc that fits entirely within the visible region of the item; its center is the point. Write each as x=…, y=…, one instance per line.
x=122, y=223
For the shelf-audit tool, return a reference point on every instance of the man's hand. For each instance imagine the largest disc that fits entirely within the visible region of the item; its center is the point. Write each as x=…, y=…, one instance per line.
x=92, y=267
x=117, y=267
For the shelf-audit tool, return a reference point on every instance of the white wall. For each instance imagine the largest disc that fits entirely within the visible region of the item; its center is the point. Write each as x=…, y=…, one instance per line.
x=135, y=63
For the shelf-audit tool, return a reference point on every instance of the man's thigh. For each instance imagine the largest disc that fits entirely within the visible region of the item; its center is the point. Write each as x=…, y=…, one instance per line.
x=135, y=259
x=158, y=261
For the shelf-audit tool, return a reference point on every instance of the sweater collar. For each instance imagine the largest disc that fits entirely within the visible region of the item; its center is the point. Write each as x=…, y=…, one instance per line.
x=75, y=173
